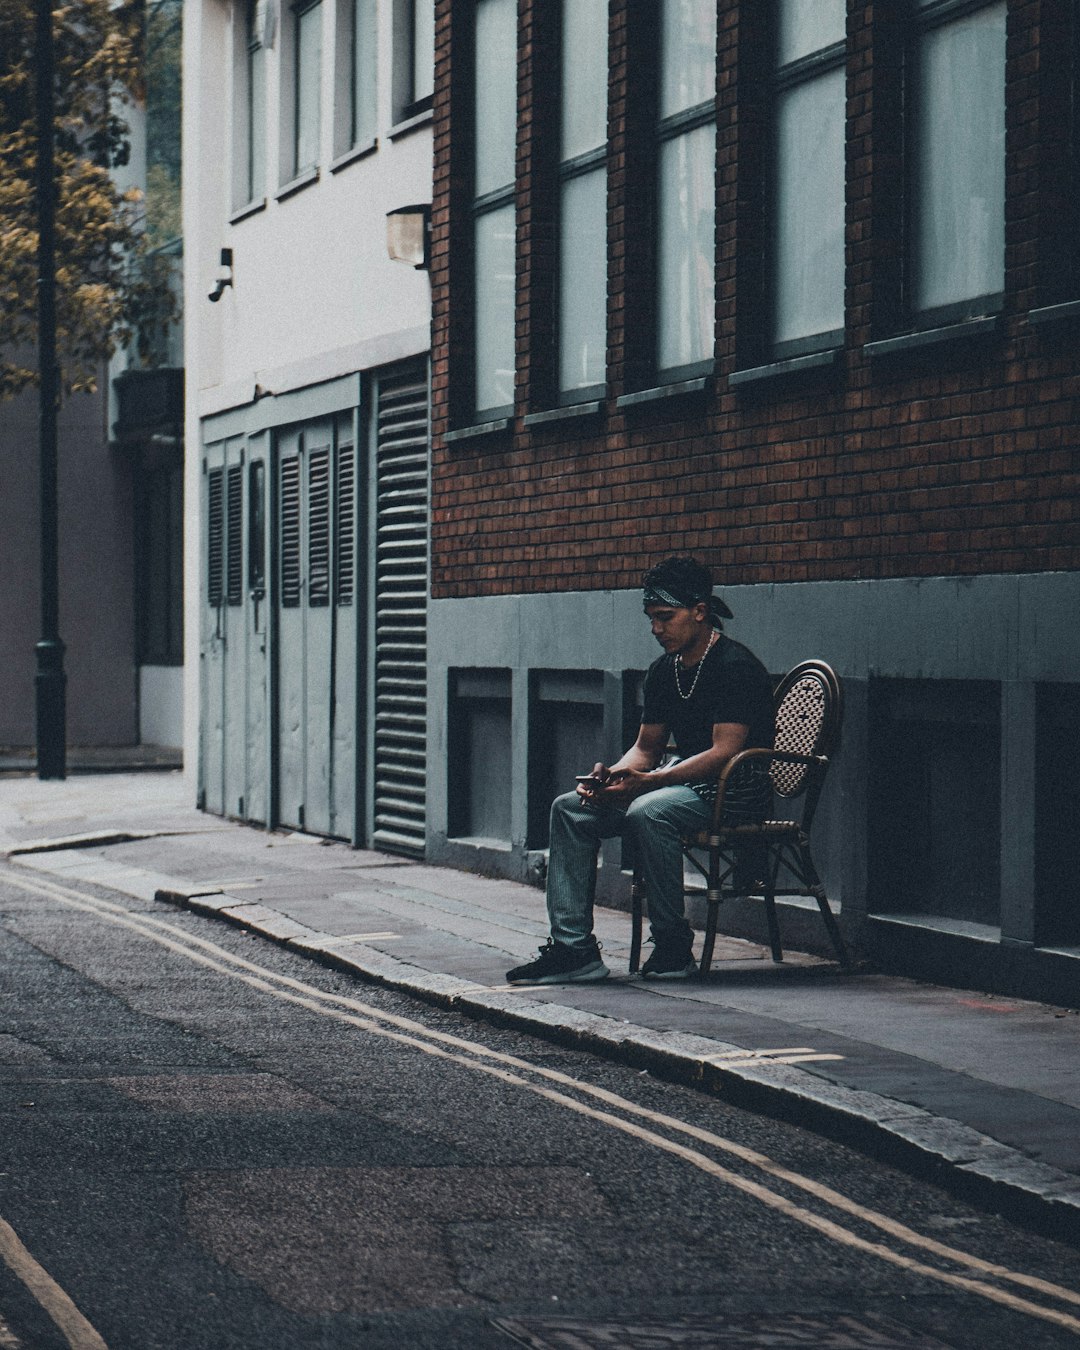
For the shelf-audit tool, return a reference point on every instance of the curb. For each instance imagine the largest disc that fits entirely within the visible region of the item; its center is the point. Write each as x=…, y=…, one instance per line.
x=94, y=839
x=954, y=1156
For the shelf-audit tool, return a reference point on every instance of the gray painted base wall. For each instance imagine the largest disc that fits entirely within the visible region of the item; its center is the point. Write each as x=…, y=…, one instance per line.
x=1016, y=630
x=96, y=575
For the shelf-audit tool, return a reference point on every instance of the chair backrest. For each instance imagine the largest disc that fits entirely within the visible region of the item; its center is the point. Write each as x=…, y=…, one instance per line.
x=809, y=708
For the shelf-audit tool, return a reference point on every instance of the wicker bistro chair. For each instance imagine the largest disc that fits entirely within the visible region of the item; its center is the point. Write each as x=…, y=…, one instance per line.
x=809, y=707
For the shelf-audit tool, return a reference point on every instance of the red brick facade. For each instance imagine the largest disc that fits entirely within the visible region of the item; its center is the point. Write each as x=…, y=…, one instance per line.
x=963, y=459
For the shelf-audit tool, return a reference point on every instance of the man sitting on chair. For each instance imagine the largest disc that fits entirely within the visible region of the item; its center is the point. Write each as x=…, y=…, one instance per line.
x=715, y=697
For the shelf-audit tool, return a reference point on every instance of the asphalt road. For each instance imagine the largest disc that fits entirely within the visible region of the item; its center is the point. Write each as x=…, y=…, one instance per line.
x=208, y=1142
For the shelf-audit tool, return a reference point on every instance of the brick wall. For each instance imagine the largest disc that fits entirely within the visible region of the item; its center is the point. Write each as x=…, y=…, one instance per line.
x=964, y=461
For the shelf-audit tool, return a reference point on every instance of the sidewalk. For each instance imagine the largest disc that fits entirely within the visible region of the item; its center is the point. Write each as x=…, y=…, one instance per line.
x=978, y=1093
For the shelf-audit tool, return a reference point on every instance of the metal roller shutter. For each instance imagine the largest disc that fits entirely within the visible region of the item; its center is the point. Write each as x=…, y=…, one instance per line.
x=401, y=586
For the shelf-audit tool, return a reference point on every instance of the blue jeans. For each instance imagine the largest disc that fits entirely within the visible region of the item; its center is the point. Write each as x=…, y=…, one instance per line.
x=654, y=823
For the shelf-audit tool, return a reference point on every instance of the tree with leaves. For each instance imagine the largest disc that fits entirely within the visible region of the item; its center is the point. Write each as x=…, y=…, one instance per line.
x=108, y=290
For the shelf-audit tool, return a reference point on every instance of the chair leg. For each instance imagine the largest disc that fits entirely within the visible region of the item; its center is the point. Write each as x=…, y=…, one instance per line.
x=637, y=894
x=770, y=914
x=817, y=890
x=713, y=897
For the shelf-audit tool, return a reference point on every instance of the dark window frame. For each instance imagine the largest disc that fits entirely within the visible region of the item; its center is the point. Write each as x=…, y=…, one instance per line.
x=299, y=11
x=411, y=106
x=665, y=130
x=921, y=19
x=803, y=70
x=254, y=174
x=480, y=205
x=565, y=171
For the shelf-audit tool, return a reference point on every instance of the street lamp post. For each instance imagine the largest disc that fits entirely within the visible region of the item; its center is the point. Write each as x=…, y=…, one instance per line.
x=50, y=681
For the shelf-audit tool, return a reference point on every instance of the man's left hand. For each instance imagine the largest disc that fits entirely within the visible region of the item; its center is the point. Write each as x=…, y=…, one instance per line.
x=626, y=784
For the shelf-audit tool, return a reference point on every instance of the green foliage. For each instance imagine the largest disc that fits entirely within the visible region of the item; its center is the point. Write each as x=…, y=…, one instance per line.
x=107, y=286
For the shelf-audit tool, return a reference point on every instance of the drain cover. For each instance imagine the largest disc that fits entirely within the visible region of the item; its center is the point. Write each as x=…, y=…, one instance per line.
x=793, y=1332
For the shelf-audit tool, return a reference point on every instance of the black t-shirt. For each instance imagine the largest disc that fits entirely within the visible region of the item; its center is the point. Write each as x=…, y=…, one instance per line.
x=732, y=686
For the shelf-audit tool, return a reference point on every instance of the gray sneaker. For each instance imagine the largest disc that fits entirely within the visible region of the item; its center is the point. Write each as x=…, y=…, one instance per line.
x=559, y=964
x=670, y=961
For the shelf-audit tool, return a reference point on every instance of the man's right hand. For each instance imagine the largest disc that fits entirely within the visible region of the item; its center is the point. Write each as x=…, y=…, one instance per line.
x=589, y=787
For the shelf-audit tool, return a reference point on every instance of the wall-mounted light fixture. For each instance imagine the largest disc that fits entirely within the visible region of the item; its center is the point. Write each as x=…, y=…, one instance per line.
x=224, y=277
x=408, y=234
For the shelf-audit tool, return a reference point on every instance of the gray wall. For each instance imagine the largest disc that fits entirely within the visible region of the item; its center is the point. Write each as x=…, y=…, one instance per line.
x=96, y=575
x=1016, y=631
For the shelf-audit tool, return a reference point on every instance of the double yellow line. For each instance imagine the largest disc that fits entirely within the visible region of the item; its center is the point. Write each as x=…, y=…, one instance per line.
x=969, y=1273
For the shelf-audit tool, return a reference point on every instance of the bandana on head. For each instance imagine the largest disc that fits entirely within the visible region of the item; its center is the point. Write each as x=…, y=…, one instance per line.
x=687, y=599
x=690, y=597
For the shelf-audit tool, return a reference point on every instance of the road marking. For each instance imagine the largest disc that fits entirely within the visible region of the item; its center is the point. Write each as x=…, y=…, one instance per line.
x=497, y=1064
x=365, y=937
x=78, y=1332
x=799, y=1054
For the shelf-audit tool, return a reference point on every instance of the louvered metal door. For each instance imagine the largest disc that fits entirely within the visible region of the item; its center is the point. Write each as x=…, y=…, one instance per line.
x=316, y=627
x=233, y=653
x=401, y=586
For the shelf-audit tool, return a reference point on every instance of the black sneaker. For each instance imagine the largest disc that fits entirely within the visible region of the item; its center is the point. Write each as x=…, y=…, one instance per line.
x=559, y=964
x=671, y=960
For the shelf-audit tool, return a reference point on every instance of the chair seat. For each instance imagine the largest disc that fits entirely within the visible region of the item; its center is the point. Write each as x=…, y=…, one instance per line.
x=770, y=828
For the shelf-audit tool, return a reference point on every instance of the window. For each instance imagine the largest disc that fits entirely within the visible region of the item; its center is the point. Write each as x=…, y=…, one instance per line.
x=806, y=261
x=686, y=174
x=423, y=50
x=356, y=82
x=414, y=57
x=307, y=87
x=249, y=107
x=495, y=124
x=956, y=161
x=1059, y=173
x=582, y=297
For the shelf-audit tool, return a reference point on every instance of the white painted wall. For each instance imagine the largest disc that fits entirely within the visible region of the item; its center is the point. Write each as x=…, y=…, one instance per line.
x=161, y=703
x=315, y=295
x=311, y=271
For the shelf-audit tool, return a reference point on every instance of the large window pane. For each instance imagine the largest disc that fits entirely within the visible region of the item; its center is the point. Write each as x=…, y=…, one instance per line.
x=423, y=49
x=308, y=87
x=808, y=253
x=496, y=93
x=805, y=26
x=687, y=54
x=583, y=281
x=363, y=79
x=958, y=179
x=494, y=258
x=256, y=120
x=685, y=249
x=584, y=81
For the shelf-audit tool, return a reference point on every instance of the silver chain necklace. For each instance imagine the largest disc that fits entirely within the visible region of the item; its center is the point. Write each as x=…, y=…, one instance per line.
x=697, y=676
